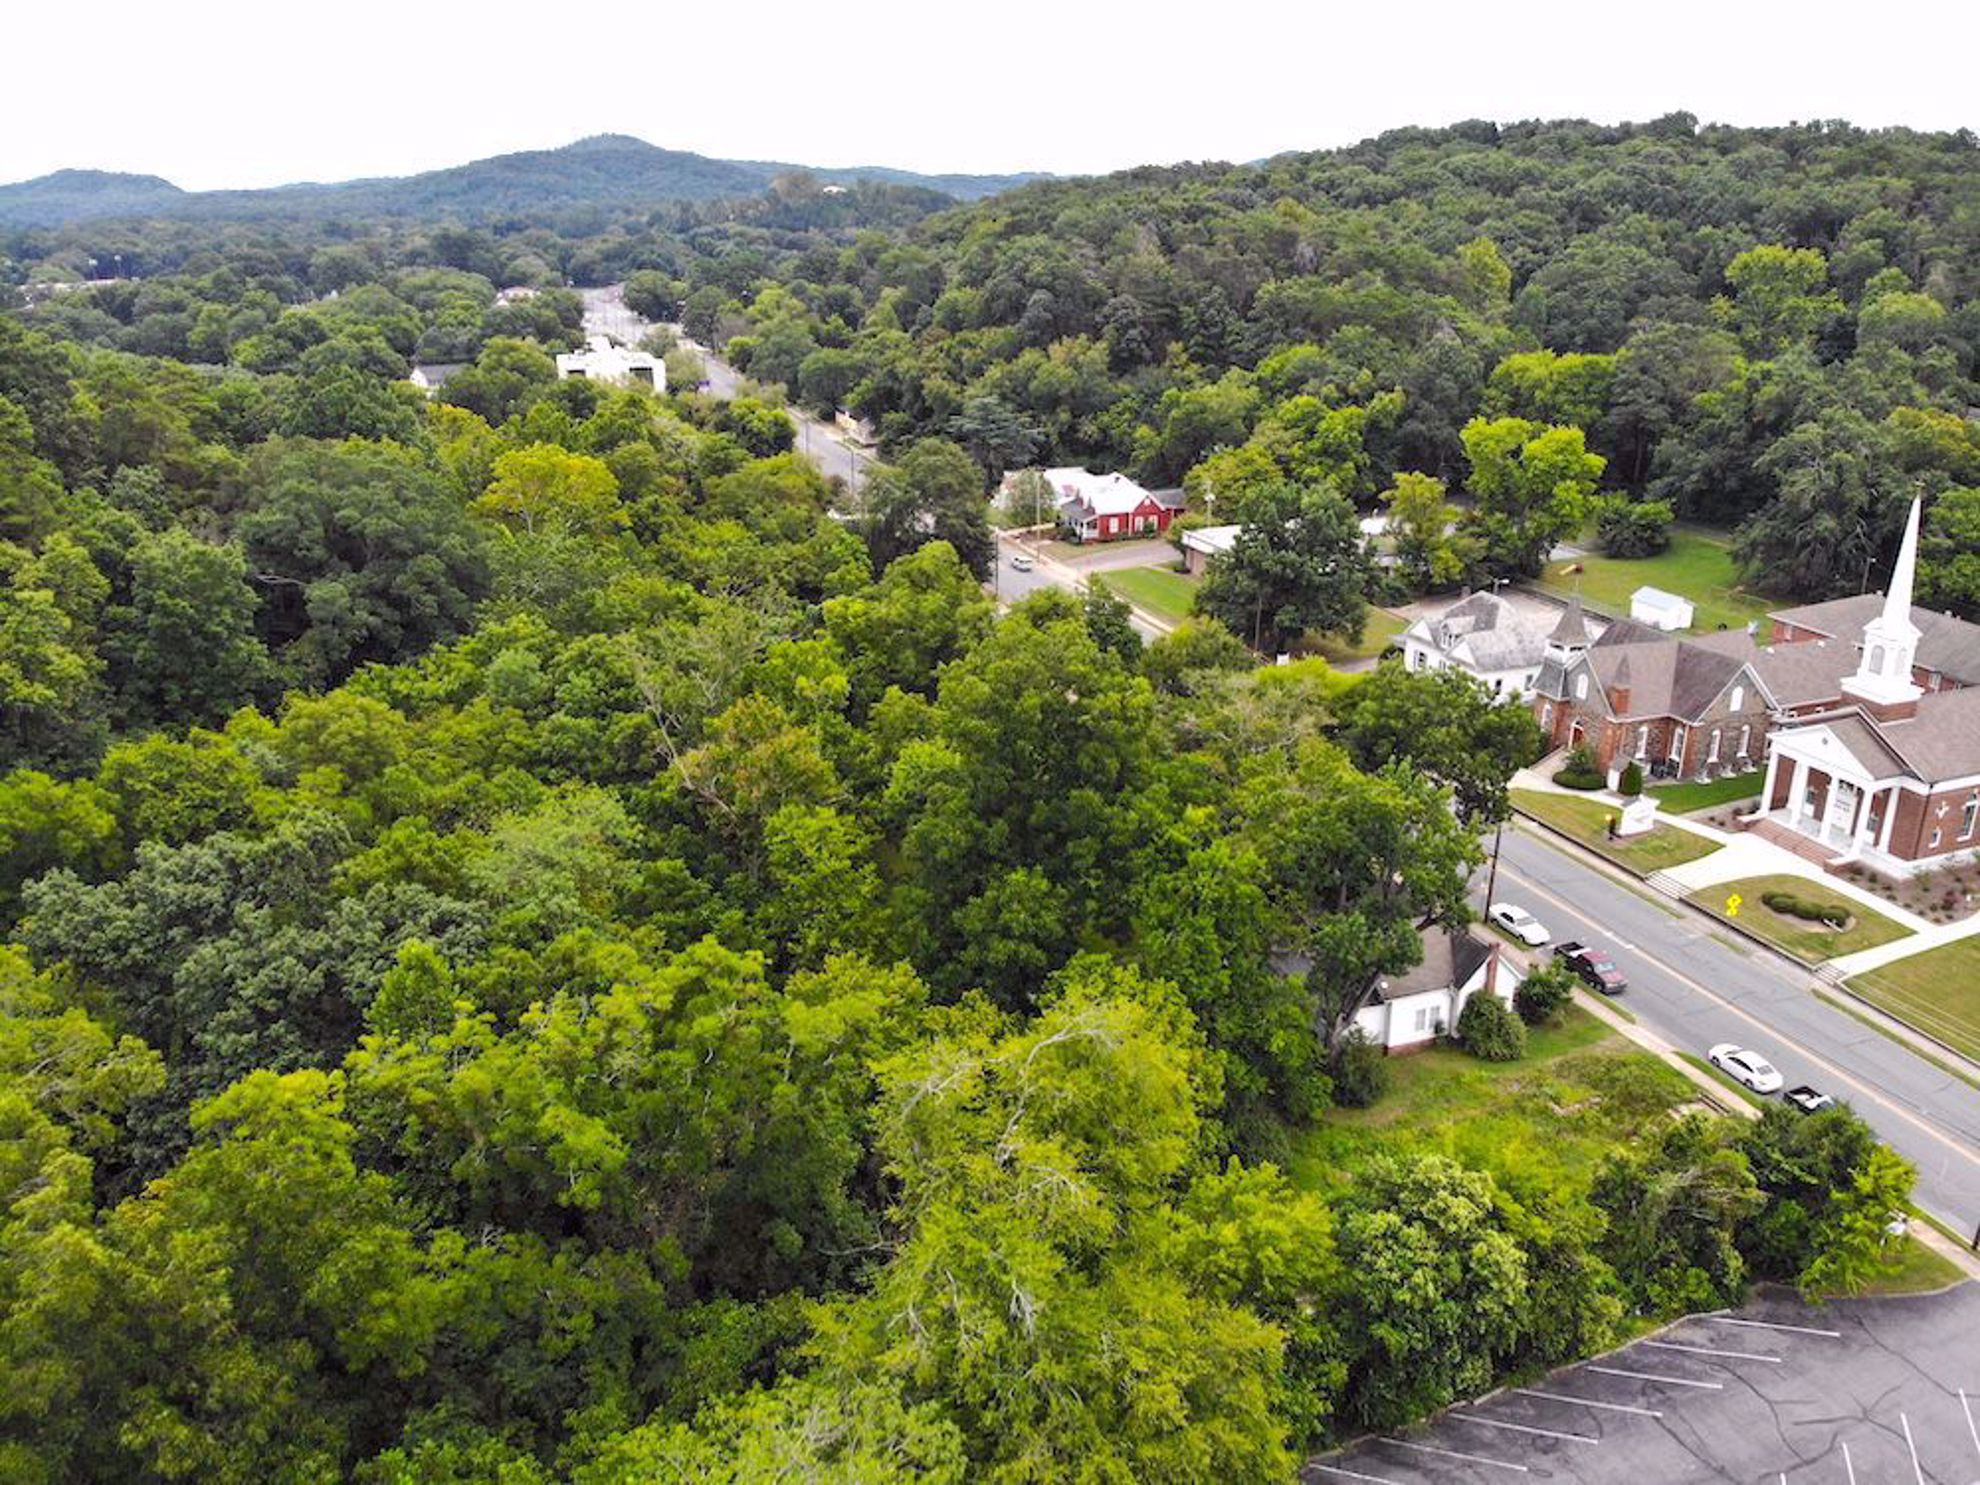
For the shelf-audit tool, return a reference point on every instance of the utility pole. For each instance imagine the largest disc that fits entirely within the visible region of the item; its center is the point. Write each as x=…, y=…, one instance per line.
x=1492, y=876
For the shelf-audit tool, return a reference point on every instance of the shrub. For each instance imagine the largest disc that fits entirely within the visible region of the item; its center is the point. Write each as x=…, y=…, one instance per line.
x=1827, y=913
x=1361, y=1071
x=1487, y=1029
x=1543, y=995
x=1578, y=771
x=1631, y=783
x=1633, y=528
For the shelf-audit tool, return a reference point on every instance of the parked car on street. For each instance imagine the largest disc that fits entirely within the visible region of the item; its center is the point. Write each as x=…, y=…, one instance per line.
x=1592, y=965
x=1749, y=1068
x=1517, y=921
x=1807, y=1100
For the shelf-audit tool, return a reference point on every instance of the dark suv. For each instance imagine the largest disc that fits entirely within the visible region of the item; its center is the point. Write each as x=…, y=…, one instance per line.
x=1592, y=965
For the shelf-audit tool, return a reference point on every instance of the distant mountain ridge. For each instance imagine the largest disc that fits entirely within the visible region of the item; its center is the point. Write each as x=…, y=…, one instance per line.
x=609, y=170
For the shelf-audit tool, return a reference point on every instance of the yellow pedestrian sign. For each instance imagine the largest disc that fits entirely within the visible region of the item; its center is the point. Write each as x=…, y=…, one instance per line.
x=1732, y=905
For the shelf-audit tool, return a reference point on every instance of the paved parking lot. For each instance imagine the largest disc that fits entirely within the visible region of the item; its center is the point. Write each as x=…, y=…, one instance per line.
x=1862, y=1392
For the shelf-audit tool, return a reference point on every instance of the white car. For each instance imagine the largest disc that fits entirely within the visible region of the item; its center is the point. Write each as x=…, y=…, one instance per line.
x=1023, y=562
x=1742, y=1066
x=1521, y=924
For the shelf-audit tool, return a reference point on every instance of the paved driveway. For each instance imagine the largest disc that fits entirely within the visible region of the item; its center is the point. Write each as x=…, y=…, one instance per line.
x=1863, y=1392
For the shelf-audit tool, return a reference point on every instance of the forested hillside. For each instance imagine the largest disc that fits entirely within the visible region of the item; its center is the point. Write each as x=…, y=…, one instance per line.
x=539, y=945
x=604, y=172
x=1766, y=328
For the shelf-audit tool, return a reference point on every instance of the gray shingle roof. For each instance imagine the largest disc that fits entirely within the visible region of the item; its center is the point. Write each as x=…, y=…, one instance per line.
x=1948, y=645
x=1450, y=957
x=1572, y=630
x=1943, y=740
x=1497, y=637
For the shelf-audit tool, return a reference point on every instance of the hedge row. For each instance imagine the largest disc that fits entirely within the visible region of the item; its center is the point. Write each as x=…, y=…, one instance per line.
x=1832, y=914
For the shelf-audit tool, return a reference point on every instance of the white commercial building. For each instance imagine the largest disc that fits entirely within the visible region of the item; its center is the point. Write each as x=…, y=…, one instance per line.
x=604, y=361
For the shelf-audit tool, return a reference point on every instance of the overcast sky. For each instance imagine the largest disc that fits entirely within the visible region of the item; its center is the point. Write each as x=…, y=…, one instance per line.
x=216, y=93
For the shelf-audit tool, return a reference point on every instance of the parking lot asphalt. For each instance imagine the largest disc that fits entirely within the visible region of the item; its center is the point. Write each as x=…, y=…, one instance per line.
x=1859, y=1392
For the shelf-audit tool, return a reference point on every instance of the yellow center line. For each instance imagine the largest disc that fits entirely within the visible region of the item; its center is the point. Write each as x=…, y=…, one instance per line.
x=1922, y=1126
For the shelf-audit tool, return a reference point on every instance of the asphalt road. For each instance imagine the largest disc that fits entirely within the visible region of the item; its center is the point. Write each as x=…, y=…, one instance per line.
x=1861, y=1392
x=605, y=313
x=1695, y=984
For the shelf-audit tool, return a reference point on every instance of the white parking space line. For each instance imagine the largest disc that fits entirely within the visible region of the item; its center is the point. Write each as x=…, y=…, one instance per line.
x=1913, y=1448
x=1545, y=1433
x=1453, y=1454
x=1848, y=1465
x=1708, y=1351
x=1334, y=1469
x=1589, y=1402
x=1616, y=1371
x=1834, y=1335
x=1972, y=1432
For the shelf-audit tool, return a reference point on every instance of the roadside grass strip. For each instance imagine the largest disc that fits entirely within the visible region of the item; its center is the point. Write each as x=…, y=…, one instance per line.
x=1937, y=991
x=1586, y=820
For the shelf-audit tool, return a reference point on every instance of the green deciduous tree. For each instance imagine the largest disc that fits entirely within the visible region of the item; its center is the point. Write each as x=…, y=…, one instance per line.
x=1296, y=566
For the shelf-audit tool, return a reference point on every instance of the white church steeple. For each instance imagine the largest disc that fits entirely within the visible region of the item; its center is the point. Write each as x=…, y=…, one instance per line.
x=1890, y=641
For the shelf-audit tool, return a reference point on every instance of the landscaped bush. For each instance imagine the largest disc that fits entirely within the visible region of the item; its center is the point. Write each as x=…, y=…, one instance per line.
x=1800, y=907
x=1487, y=1028
x=1543, y=995
x=1631, y=783
x=1579, y=771
x=1361, y=1071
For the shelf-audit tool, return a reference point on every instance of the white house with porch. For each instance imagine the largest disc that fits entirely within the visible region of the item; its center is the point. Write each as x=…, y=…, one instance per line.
x=1410, y=1011
x=1890, y=778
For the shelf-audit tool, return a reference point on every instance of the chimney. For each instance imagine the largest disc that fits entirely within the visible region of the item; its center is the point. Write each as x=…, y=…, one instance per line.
x=1619, y=688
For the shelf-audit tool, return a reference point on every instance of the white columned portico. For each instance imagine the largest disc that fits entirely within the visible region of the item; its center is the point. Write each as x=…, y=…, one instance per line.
x=1890, y=819
x=1798, y=794
x=1773, y=773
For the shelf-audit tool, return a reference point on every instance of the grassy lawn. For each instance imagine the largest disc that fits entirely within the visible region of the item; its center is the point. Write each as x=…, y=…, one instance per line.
x=1382, y=627
x=1167, y=595
x=1919, y=1271
x=1586, y=820
x=1811, y=942
x=1698, y=565
x=1580, y=1091
x=1682, y=799
x=1937, y=991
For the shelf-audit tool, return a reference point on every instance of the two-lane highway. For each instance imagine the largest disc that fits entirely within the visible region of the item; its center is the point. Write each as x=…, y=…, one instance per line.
x=1696, y=984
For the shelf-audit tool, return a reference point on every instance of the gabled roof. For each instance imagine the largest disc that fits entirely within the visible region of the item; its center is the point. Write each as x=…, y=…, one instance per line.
x=1795, y=675
x=1106, y=494
x=1948, y=645
x=1665, y=677
x=1450, y=957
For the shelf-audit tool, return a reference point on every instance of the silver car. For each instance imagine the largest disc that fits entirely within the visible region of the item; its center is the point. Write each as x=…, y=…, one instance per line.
x=1749, y=1068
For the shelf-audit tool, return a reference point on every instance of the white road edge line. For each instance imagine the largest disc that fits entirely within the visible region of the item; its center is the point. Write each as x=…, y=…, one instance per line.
x=1848, y=1465
x=1616, y=1371
x=1967, y=1409
x=1453, y=1454
x=1918, y=1120
x=1915, y=1470
x=1834, y=1335
x=1589, y=1402
x=1334, y=1469
x=1545, y=1433
x=1709, y=1351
